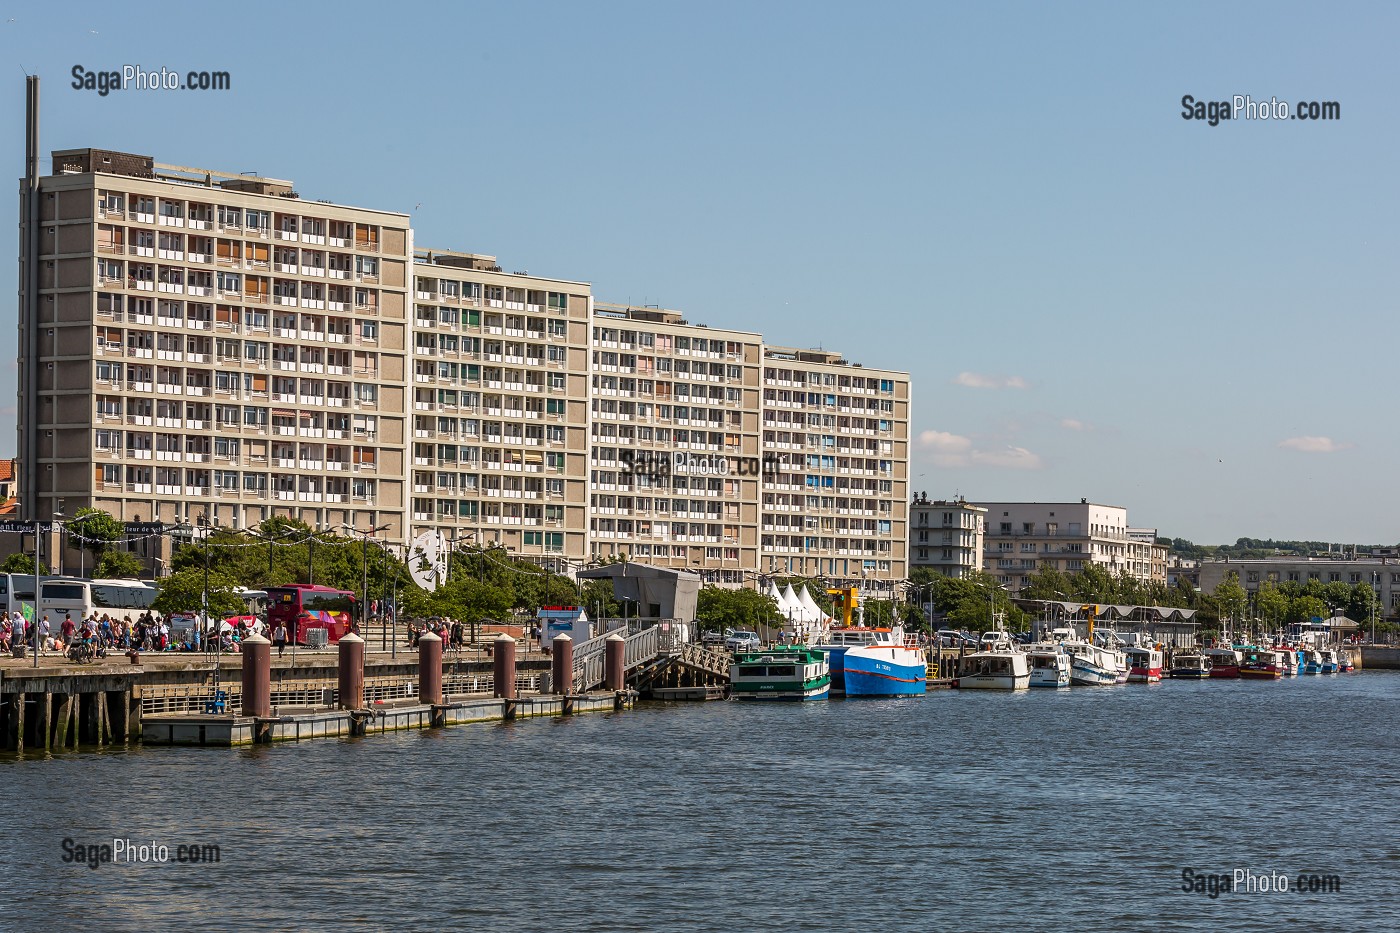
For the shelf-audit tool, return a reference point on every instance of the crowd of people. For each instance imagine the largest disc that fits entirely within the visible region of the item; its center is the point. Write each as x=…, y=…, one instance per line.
x=451, y=631
x=147, y=632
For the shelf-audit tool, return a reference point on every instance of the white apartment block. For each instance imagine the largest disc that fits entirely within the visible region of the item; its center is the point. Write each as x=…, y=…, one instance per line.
x=1022, y=537
x=946, y=536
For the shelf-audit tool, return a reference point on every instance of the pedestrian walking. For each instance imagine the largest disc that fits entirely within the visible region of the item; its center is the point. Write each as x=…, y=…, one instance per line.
x=279, y=638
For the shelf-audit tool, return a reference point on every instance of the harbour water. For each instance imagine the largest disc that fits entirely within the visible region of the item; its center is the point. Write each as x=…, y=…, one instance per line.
x=980, y=810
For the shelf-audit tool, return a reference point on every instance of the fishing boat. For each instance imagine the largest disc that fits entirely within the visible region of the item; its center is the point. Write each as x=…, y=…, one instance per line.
x=1312, y=663
x=1288, y=660
x=836, y=642
x=1260, y=664
x=1000, y=665
x=1092, y=665
x=1191, y=664
x=1345, y=665
x=1049, y=667
x=877, y=662
x=1329, y=660
x=1144, y=665
x=1224, y=662
x=782, y=673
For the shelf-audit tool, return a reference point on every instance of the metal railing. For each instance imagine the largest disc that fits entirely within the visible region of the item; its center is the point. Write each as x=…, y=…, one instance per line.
x=590, y=657
x=702, y=658
x=193, y=699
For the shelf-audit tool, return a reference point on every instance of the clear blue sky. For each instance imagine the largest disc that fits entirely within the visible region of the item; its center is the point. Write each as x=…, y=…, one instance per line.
x=1095, y=297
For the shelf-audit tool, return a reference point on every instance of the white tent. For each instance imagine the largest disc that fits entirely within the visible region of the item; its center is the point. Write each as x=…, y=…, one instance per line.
x=788, y=604
x=810, y=607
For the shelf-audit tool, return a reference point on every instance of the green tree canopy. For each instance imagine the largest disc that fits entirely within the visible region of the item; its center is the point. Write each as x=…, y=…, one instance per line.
x=117, y=565
x=1230, y=598
x=95, y=531
x=21, y=563
x=183, y=591
x=718, y=608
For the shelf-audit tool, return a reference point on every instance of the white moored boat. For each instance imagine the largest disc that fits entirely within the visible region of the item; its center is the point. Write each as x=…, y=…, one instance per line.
x=1093, y=665
x=1190, y=664
x=1144, y=665
x=1001, y=665
x=1049, y=667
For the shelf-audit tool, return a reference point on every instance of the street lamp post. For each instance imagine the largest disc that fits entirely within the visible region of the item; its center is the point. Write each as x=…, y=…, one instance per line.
x=204, y=533
x=364, y=569
x=310, y=560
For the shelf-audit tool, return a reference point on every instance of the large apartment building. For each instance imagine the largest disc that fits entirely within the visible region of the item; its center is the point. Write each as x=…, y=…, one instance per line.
x=500, y=406
x=213, y=346
x=1022, y=537
x=674, y=448
x=836, y=503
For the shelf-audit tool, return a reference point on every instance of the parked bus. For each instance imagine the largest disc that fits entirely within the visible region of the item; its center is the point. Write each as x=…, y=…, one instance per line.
x=17, y=588
x=81, y=598
x=255, y=601
x=304, y=609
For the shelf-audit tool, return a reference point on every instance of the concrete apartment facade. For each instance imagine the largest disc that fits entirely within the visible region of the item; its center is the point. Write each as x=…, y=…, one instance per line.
x=836, y=503
x=946, y=536
x=674, y=425
x=1022, y=537
x=500, y=407
x=212, y=346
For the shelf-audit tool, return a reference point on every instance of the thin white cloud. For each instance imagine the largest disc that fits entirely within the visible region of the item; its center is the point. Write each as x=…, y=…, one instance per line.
x=1009, y=458
x=984, y=381
x=951, y=451
x=1310, y=444
x=1074, y=424
x=944, y=442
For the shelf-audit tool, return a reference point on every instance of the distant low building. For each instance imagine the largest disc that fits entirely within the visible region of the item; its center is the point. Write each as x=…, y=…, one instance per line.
x=946, y=535
x=1382, y=573
x=1023, y=537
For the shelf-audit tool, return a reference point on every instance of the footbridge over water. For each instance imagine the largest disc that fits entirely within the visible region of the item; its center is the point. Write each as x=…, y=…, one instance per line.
x=654, y=657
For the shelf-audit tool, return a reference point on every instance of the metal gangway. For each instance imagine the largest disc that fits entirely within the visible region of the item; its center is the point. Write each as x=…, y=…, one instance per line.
x=589, y=656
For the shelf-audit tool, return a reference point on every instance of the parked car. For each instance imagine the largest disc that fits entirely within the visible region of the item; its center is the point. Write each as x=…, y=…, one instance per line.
x=716, y=637
x=951, y=638
x=743, y=641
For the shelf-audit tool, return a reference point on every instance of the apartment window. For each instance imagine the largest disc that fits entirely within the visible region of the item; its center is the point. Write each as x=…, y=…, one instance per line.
x=1006, y=528
x=369, y=330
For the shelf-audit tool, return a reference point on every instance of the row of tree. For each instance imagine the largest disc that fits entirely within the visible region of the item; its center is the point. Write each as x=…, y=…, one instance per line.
x=1259, y=548
x=480, y=582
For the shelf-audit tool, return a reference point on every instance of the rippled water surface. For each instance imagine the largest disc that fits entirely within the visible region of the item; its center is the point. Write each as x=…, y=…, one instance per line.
x=974, y=810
